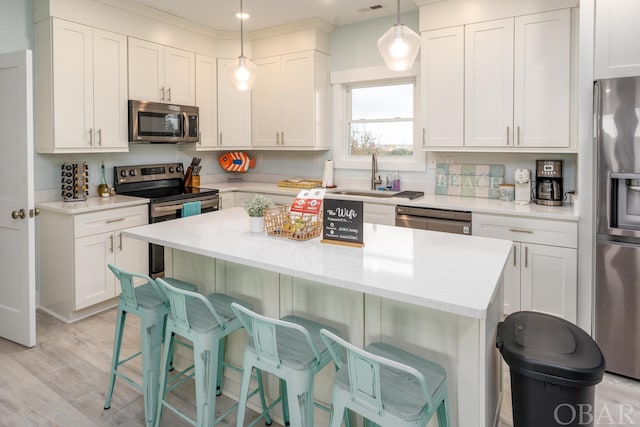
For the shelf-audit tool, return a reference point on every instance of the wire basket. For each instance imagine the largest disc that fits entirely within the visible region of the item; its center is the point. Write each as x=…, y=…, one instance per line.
x=278, y=222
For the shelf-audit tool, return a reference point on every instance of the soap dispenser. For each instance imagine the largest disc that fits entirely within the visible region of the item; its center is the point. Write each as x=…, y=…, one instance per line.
x=396, y=182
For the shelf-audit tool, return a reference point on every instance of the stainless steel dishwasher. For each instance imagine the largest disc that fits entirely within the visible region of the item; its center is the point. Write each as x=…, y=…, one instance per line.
x=448, y=221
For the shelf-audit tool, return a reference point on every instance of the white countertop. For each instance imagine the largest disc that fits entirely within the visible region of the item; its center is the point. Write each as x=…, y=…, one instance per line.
x=92, y=204
x=453, y=273
x=473, y=204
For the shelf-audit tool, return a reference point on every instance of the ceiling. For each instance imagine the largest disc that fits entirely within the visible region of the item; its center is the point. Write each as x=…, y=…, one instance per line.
x=220, y=14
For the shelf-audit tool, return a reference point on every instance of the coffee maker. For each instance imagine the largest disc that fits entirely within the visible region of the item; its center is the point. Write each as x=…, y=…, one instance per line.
x=522, y=179
x=549, y=182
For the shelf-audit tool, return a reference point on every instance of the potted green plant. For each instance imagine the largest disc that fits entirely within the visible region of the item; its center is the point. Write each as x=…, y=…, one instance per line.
x=255, y=208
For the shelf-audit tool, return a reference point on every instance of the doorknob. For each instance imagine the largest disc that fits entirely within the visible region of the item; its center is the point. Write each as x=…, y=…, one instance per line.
x=19, y=214
x=34, y=212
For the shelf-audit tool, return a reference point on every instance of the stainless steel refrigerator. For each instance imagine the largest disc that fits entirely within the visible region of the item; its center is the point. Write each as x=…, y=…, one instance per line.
x=617, y=299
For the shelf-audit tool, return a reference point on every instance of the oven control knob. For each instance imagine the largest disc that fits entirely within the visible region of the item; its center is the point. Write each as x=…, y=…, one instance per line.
x=179, y=168
x=170, y=169
x=132, y=172
x=123, y=173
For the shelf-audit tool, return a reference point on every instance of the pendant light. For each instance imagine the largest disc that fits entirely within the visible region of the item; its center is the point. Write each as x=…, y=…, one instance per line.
x=399, y=46
x=243, y=72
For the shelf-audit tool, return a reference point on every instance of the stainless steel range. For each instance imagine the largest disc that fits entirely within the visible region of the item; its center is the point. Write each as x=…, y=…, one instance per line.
x=163, y=185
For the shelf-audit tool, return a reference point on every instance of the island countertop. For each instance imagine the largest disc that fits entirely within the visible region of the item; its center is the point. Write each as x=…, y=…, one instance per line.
x=453, y=273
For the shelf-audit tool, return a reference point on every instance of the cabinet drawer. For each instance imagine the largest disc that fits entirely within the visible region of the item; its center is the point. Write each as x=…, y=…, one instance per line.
x=379, y=214
x=109, y=220
x=526, y=229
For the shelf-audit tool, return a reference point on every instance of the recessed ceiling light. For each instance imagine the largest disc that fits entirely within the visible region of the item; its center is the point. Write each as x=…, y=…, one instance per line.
x=244, y=15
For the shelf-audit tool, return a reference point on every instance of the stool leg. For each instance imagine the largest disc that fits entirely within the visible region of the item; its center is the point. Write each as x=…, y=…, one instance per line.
x=337, y=413
x=267, y=417
x=247, y=368
x=220, y=366
x=300, y=399
x=205, y=354
x=285, y=403
x=443, y=416
x=151, y=325
x=166, y=360
x=117, y=344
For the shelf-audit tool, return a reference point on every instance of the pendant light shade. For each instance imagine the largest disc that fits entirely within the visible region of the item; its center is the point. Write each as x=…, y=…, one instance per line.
x=399, y=46
x=243, y=72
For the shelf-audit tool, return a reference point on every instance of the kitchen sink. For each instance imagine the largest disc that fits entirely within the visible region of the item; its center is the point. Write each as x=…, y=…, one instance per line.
x=367, y=193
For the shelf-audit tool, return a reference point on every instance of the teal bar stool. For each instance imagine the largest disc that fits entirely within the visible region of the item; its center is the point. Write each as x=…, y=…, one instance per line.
x=205, y=321
x=386, y=385
x=151, y=305
x=292, y=350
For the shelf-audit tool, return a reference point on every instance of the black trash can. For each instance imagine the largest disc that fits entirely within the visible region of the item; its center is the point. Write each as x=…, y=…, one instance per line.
x=554, y=368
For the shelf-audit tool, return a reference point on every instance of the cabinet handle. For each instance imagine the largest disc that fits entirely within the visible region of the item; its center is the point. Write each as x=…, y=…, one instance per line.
x=199, y=138
x=162, y=94
x=120, y=241
x=518, y=135
x=281, y=138
x=277, y=138
x=169, y=93
x=526, y=256
x=515, y=249
x=424, y=136
x=111, y=240
x=507, y=135
x=220, y=139
x=100, y=137
x=517, y=230
x=109, y=221
x=91, y=136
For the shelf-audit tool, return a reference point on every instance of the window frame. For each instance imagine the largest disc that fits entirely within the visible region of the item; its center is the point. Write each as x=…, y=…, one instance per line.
x=342, y=82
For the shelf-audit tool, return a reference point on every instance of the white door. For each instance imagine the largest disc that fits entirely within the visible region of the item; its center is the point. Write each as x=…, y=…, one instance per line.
x=179, y=76
x=146, y=71
x=266, y=102
x=234, y=110
x=298, y=99
x=17, y=237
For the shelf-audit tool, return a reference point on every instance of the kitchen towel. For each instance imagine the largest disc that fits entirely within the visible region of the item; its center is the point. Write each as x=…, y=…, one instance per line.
x=191, y=208
x=327, y=178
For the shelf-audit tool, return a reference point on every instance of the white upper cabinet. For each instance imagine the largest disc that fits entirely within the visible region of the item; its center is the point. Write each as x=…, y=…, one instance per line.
x=442, y=87
x=160, y=73
x=617, y=34
x=542, y=80
x=81, y=87
x=206, y=100
x=489, y=84
x=517, y=82
x=290, y=101
x=234, y=111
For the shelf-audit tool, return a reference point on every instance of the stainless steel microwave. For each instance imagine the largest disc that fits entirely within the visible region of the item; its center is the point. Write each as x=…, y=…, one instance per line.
x=162, y=123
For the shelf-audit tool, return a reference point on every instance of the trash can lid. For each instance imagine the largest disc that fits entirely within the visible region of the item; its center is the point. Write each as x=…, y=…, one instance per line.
x=554, y=349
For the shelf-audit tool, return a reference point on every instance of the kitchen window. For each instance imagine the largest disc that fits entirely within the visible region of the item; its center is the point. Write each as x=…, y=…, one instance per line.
x=376, y=112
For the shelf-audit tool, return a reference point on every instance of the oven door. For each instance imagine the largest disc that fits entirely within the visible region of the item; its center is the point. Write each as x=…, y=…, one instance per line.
x=159, y=212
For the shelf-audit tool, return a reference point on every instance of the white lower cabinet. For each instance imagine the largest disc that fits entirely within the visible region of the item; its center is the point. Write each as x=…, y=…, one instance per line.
x=227, y=200
x=376, y=213
x=74, y=251
x=541, y=274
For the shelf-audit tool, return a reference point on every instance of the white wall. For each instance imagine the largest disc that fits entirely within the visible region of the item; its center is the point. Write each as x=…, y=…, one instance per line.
x=16, y=28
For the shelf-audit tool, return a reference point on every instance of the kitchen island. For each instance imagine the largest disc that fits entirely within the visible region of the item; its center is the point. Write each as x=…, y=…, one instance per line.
x=436, y=294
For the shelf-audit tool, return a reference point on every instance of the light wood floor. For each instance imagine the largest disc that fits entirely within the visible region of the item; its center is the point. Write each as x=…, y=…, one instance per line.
x=62, y=381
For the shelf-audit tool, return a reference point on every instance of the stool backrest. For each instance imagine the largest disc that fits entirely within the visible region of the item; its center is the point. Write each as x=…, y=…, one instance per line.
x=125, y=279
x=364, y=372
x=263, y=330
x=179, y=308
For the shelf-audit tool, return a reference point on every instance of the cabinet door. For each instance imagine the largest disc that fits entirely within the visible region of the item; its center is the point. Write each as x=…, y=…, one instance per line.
x=489, y=84
x=206, y=99
x=110, y=90
x=442, y=87
x=131, y=255
x=297, y=100
x=94, y=282
x=542, y=79
x=234, y=111
x=511, y=294
x=379, y=214
x=227, y=200
x=617, y=34
x=146, y=70
x=72, y=85
x=549, y=280
x=266, y=103
x=179, y=76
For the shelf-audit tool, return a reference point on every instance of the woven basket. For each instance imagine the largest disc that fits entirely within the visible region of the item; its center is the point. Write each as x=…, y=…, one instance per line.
x=277, y=222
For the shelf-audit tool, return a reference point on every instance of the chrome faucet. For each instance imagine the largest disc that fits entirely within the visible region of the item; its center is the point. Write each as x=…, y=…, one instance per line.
x=374, y=170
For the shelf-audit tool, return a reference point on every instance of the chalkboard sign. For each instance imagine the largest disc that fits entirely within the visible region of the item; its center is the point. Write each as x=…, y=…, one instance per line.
x=342, y=222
